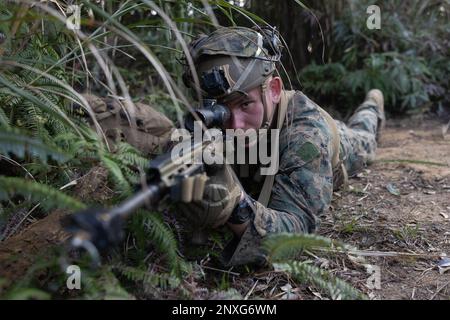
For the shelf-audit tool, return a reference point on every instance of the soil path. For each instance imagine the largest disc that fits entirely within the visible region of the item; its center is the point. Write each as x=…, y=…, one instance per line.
x=401, y=203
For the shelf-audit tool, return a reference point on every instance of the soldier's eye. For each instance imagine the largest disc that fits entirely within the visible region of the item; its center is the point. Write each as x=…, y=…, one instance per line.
x=246, y=105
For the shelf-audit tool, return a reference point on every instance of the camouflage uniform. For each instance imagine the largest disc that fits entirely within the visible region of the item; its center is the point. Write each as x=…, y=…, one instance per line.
x=230, y=61
x=303, y=186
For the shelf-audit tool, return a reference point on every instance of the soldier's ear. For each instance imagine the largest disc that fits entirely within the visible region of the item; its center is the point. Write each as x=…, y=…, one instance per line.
x=275, y=86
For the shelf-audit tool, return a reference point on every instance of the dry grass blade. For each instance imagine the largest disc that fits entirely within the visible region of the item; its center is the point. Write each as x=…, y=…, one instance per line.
x=366, y=253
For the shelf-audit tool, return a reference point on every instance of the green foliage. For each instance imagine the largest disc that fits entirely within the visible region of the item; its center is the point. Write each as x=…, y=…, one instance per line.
x=161, y=281
x=403, y=80
x=333, y=286
x=286, y=245
x=125, y=165
x=283, y=251
x=48, y=196
x=41, y=61
x=27, y=294
x=12, y=142
x=148, y=228
x=103, y=285
x=341, y=58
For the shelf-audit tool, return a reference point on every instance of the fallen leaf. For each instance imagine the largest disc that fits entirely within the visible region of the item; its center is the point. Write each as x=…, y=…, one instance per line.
x=443, y=270
x=443, y=265
x=287, y=287
x=444, y=262
x=290, y=293
x=392, y=189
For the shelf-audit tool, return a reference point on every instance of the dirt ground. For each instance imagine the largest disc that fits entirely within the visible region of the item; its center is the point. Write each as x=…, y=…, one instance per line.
x=397, y=209
x=397, y=212
x=401, y=203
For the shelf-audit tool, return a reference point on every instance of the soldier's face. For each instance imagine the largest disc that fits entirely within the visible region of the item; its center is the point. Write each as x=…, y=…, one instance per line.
x=247, y=112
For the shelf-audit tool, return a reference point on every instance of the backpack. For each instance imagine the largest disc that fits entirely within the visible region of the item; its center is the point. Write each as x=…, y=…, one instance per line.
x=148, y=131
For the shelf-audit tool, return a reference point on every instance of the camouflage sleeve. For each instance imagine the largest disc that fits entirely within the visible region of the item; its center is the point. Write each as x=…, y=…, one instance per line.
x=302, y=189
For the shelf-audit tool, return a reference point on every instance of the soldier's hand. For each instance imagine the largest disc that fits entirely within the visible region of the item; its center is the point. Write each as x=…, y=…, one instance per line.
x=221, y=195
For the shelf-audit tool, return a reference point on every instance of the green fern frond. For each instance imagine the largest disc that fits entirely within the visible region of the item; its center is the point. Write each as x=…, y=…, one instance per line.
x=116, y=173
x=4, y=120
x=104, y=285
x=131, y=176
x=48, y=197
x=336, y=288
x=19, y=145
x=130, y=161
x=287, y=245
x=130, y=156
x=27, y=294
x=33, y=120
x=160, y=280
x=55, y=127
x=164, y=240
x=45, y=105
x=71, y=142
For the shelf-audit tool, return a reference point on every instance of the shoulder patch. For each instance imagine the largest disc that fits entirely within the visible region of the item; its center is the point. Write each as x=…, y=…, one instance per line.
x=308, y=151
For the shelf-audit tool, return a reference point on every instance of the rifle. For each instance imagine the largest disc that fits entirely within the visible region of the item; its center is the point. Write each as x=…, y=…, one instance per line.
x=98, y=229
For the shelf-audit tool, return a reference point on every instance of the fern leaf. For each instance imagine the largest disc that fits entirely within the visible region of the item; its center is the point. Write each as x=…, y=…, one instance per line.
x=286, y=245
x=19, y=145
x=104, y=285
x=116, y=172
x=161, y=280
x=164, y=240
x=335, y=287
x=28, y=294
x=48, y=196
x=46, y=106
x=4, y=121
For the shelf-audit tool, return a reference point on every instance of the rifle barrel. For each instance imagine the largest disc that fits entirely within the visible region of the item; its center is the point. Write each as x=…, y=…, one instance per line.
x=148, y=195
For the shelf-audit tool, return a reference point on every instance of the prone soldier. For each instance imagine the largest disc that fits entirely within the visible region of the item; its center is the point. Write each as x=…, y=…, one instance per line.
x=237, y=66
x=315, y=154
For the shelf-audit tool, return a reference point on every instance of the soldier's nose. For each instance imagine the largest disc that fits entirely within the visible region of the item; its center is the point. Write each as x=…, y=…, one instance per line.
x=237, y=121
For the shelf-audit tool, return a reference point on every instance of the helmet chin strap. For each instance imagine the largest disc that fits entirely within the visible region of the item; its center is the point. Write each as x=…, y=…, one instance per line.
x=267, y=119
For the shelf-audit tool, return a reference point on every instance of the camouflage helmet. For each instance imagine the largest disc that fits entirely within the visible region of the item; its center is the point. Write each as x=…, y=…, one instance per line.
x=233, y=60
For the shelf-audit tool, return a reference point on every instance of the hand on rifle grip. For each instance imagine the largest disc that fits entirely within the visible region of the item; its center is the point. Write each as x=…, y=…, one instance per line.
x=221, y=195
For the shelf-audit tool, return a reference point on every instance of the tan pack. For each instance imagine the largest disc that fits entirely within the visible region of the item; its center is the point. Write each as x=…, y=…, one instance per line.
x=148, y=131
